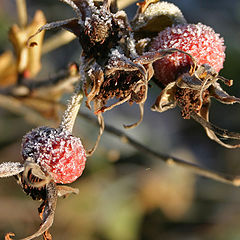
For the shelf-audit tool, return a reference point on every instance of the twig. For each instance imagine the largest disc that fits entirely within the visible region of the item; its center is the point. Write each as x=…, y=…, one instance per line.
x=22, y=12
x=169, y=160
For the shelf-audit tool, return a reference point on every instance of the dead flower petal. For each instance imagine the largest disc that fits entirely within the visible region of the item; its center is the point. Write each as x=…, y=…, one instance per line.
x=166, y=99
x=48, y=207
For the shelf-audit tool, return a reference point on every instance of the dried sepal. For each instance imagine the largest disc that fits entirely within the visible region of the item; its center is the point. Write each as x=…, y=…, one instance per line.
x=215, y=133
x=101, y=130
x=123, y=80
x=96, y=78
x=34, y=169
x=133, y=125
x=153, y=16
x=219, y=94
x=165, y=100
x=49, y=26
x=47, y=210
x=8, y=169
x=64, y=191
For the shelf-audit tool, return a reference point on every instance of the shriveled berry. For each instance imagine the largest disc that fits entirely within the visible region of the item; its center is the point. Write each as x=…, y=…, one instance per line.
x=199, y=40
x=56, y=151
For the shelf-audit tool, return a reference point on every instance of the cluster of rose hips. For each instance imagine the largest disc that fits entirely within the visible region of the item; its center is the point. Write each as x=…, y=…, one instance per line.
x=184, y=58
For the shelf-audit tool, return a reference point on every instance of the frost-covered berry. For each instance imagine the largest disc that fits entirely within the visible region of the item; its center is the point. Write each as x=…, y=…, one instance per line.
x=199, y=40
x=56, y=151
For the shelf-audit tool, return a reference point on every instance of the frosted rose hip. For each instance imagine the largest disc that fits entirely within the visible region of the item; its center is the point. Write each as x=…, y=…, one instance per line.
x=56, y=151
x=199, y=40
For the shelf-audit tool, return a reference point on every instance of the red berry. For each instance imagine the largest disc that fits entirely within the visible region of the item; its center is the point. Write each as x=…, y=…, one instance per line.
x=56, y=151
x=199, y=40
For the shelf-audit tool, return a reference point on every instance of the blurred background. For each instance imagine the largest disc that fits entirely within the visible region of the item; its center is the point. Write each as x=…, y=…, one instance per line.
x=124, y=194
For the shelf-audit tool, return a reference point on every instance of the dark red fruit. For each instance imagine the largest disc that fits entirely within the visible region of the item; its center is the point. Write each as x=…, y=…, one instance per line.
x=56, y=151
x=199, y=40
